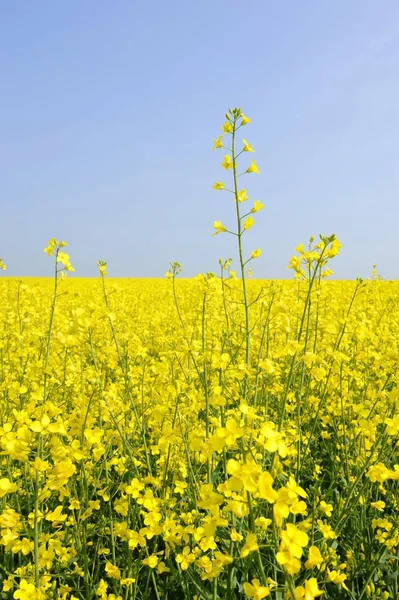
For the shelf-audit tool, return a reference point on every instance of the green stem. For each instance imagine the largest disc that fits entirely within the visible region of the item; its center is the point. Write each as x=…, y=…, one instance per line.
x=240, y=253
x=50, y=329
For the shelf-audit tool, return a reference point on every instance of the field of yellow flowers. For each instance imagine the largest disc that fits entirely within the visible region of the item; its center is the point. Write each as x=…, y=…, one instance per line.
x=208, y=438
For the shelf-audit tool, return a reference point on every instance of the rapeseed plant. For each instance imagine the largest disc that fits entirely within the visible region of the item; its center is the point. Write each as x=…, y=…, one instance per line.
x=212, y=438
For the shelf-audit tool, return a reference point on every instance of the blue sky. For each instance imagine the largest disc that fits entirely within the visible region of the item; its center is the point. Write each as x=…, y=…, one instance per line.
x=109, y=110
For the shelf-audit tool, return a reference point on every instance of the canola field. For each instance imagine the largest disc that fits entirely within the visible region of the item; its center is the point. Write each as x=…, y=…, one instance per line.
x=150, y=475
x=214, y=438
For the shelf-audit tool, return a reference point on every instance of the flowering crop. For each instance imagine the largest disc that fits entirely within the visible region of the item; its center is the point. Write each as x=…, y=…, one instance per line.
x=215, y=437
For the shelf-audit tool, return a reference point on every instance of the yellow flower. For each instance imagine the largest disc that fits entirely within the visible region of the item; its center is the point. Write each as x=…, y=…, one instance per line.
x=242, y=196
x=380, y=505
x=248, y=223
x=8, y=583
x=180, y=487
x=219, y=227
x=235, y=536
x=266, y=490
x=309, y=592
x=134, y=488
x=256, y=590
x=281, y=510
x=26, y=591
x=42, y=425
x=162, y=568
x=2, y=265
x=102, y=589
x=326, y=530
x=227, y=163
x=315, y=558
x=337, y=578
x=294, y=540
x=326, y=508
x=218, y=142
x=245, y=120
x=127, y=580
x=251, y=545
x=257, y=206
x=151, y=561
x=9, y=518
x=256, y=253
x=267, y=430
x=247, y=147
x=121, y=506
x=252, y=168
x=295, y=263
x=74, y=504
x=378, y=472
x=209, y=498
x=51, y=246
x=63, y=257
x=56, y=516
x=227, y=127
x=6, y=487
x=392, y=425
x=218, y=185
x=185, y=558
x=112, y=571
x=135, y=539
x=290, y=564
x=263, y=523
x=334, y=249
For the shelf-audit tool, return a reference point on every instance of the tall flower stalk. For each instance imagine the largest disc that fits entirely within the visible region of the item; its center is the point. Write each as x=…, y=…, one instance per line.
x=235, y=120
x=62, y=265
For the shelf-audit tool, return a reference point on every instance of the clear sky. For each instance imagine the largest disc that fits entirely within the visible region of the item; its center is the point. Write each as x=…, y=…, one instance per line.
x=109, y=110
